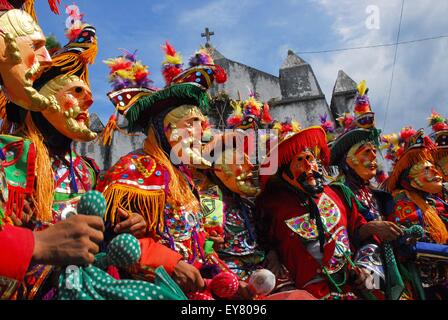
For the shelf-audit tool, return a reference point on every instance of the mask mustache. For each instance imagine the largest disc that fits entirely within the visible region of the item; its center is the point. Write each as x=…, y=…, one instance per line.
x=34, y=70
x=84, y=133
x=39, y=102
x=194, y=155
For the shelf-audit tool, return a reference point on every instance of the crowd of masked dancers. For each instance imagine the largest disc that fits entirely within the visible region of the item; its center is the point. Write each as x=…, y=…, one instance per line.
x=346, y=213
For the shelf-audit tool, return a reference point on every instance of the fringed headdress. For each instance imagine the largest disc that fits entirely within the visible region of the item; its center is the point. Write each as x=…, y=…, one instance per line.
x=414, y=147
x=357, y=128
x=28, y=6
x=130, y=81
x=79, y=52
x=250, y=113
x=183, y=87
x=292, y=139
x=439, y=126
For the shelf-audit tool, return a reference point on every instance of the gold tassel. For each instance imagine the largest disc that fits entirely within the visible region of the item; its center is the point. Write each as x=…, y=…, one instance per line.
x=3, y=102
x=28, y=7
x=410, y=158
x=43, y=196
x=180, y=193
x=433, y=223
x=89, y=55
x=108, y=133
x=150, y=204
x=71, y=63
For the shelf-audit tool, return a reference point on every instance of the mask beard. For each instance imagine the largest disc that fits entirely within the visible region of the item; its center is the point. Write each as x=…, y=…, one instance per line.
x=37, y=102
x=312, y=189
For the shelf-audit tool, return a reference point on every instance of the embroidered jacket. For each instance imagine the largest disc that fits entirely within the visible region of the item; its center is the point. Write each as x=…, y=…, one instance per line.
x=292, y=233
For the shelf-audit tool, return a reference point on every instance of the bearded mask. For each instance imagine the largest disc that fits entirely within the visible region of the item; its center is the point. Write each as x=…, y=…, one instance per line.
x=23, y=57
x=424, y=176
x=304, y=172
x=183, y=131
x=73, y=98
x=361, y=158
x=236, y=175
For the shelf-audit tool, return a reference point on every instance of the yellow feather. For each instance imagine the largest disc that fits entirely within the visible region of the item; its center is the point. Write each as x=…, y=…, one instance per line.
x=295, y=126
x=362, y=88
x=177, y=59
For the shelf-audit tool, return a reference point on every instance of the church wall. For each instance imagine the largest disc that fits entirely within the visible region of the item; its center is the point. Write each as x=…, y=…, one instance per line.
x=242, y=78
x=305, y=112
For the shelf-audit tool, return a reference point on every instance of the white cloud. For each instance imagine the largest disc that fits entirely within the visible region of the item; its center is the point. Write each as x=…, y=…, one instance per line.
x=421, y=69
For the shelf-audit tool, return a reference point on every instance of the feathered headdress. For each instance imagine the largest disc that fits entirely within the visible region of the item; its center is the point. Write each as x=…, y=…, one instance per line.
x=414, y=147
x=250, y=113
x=27, y=6
x=187, y=86
x=359, y=127
x=130, y=81
x=328, y=127
x=172, y=66
x=439, y=135
x=79, y=52
x=126, y=71
x=362, y=102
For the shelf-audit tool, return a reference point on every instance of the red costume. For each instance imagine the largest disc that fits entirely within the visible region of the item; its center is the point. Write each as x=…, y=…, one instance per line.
x=17, y=251
x=290, y=229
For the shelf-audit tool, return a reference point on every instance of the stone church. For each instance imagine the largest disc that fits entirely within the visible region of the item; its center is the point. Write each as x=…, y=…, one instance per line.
x=295, y=92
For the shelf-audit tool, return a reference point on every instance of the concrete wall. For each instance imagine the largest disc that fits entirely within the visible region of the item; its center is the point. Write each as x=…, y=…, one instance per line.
x=106, y=156
x=306, y=112
x=242, y=78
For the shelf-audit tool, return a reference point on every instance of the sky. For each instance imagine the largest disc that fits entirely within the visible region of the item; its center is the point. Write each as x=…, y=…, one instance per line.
x=260, y=32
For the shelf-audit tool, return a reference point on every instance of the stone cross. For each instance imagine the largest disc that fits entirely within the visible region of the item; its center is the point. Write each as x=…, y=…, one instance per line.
x=207, y=34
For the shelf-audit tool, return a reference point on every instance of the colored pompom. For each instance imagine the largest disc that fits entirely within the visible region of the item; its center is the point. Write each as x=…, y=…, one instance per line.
x=266, y=117
x=262, y=282
x=202, y=57
x=170, y=72
x=437, y=122
x=224, y=285
x=406, y=133
x=220, y=74
x=346, y=120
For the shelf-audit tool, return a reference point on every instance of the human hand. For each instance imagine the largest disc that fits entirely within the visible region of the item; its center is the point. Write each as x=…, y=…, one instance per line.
x=188, y=277
x=385, y=230
x=27, y=214
x=362, y=278
x=74, y=241
x=244, y=292
x=132, y=223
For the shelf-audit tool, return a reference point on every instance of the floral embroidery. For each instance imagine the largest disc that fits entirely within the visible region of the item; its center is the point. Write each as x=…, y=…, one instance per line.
x=307, y=229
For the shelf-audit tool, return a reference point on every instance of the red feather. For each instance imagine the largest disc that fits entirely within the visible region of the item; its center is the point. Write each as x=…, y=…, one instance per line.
x=406, y=133
x=266, y=118
x=233, y=121
x=120, y=66
x=54, y=5
x=169, y=50
x=169, y=72
x=220, y=74
x=440, y=126
x=362, y=108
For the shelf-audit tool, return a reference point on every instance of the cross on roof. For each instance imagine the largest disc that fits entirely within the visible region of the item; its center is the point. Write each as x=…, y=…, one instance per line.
x=207, y=34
